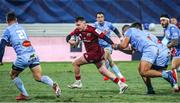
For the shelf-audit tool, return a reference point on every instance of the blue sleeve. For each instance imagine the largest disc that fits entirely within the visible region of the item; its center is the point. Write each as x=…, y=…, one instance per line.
x=114, y=29
x=111, y=26
x=174, y=33
x=108, y=40
x=6, y=35
x=128, y=33
x=2, y=48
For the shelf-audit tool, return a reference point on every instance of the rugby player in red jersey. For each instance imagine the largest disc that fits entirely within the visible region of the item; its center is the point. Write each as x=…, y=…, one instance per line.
x=94, y=53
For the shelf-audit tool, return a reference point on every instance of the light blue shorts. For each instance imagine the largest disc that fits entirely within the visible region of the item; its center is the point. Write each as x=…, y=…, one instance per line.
x=26, y=60
x=163, y=58
x=150, y=54
x=158, y=58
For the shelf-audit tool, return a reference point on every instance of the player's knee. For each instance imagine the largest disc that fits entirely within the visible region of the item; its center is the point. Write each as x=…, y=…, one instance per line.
x=142, y=73
x=37, y=78
x=174, y=66
x=112, y=64
x=13, y=75
x=75, y=63
x=102, y=70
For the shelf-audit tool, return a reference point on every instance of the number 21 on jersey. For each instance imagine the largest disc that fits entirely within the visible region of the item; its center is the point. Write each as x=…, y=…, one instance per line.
x=21, y=34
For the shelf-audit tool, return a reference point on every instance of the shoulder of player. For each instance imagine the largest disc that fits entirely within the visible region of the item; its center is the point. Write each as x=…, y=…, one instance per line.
x=172, y=26
x=129, y=31
x=93, y=29
x=107, y=22
x=96, y=24
x=76, y=31
x=6, y=30
x=14, y=26
x=89, y=27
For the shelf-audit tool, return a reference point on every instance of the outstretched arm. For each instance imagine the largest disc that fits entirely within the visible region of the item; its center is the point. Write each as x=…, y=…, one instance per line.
x=116, y=31
x=173, y=43
x=124, y=44
x=103, y=36
x=2, y=48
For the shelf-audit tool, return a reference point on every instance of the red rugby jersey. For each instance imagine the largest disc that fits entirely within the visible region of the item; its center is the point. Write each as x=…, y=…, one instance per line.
x=90, y=38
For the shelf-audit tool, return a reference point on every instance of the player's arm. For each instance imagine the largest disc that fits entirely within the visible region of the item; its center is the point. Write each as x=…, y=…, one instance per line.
x=4, y=41
x=128, y=50
x=123, y=45
x=71, y=38
x=102, y=35
x=3, y=44
x=173, y=43
x=115, y=30
x=175, y=36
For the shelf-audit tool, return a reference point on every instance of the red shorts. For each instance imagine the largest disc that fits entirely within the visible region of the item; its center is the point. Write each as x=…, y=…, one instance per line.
x=94, y=56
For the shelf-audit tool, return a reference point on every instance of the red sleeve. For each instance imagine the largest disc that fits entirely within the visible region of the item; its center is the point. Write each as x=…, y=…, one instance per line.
x=98, y=32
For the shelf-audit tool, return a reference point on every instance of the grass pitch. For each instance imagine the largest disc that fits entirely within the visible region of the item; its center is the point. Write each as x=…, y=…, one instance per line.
x=94, y=88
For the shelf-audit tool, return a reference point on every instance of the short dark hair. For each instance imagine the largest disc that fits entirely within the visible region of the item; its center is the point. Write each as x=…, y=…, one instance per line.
x=137, y=25
x=11, y=16
x=124, y=27
x=79, y=18
x=164, y=15
x=100, y=12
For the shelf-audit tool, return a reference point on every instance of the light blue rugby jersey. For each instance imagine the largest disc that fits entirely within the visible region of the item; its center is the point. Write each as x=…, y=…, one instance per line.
x=106, y=26
x=16, y=35
x=155, y=40
x=138, y=39
x=172, y=32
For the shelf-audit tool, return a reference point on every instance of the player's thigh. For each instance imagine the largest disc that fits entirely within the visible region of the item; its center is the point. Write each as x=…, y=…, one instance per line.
x=144, y=66
x=175, y=63
x=80, y=61
x=100, y=64
x=94, y=56
x=18, y=66
x=36, y=72
x=14, y=73
x=20, y=63
x=35, y=67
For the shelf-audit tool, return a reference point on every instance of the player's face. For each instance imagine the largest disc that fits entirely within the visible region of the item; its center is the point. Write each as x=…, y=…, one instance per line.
x=100, y=18
x=173, y=21
x=80, y=25
x=164, y=23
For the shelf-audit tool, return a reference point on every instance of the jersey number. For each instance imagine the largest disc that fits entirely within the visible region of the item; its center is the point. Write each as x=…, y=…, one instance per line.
x=21, y=34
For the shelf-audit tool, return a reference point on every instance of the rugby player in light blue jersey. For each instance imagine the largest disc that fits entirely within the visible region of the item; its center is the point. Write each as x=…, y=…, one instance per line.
x=26, y=57
x=162, y=49
x=171, y=39
x=153, y=63
x=107, y=27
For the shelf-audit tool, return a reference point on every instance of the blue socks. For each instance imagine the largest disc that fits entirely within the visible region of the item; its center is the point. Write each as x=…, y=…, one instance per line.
x=19, y=84
x=107, y=65
x=164, y=74
x=116, y=71
x=47, y=80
